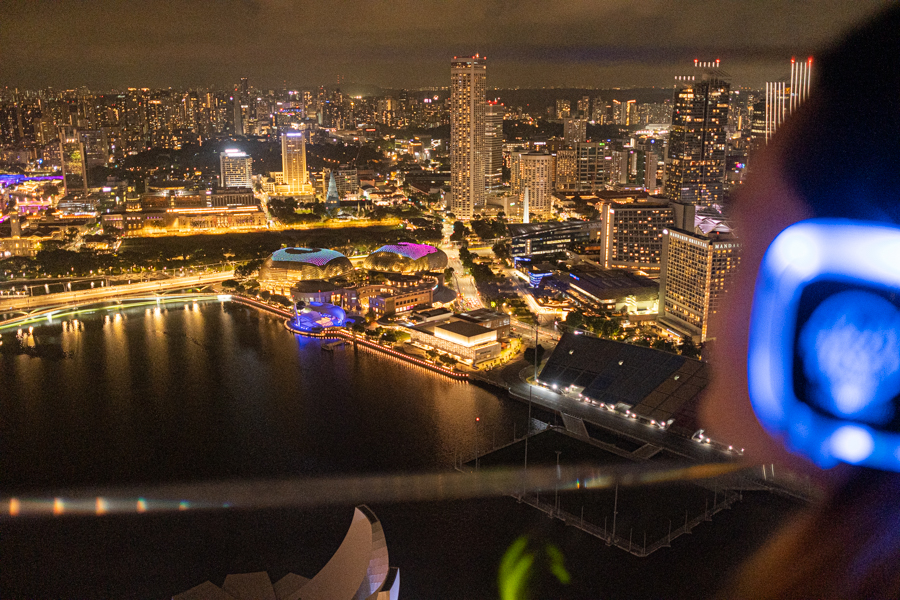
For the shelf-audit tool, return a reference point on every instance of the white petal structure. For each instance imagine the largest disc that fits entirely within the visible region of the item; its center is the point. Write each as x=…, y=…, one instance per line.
x=359, y=570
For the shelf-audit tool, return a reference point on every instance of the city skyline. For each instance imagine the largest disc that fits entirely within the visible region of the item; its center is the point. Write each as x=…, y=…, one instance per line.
x=162, y=44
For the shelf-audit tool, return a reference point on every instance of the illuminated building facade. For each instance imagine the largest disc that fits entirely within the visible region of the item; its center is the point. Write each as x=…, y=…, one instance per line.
x=463, y=339
x=293, y=163
x=534, y=239
x=536, y=173
x=574, y=131
x=346, y=182
x=784, y=97
x=584, y=168
x=181, y=211
x=631, y=235
x=405, y=257
x=234, y=168
x=493, y=134
x=467, y=135
x=697, y=139
x=290, y=265
x=73, y=161
x=696, y=272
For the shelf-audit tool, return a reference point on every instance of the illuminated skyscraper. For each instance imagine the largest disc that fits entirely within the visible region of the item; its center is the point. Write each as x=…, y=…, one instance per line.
x=584, y=168
x=493, y=134
x=784, y=97
x=293, y=162
x=73, y=163
x=574, y=131
x=235, y=169
x=536, y=178
x=467, y=134
x=696, y=159
x=697, y=266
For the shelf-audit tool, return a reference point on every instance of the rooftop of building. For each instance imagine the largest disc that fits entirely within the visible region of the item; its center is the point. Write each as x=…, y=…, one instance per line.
x=313, y=256
x=620, y=195
x=409, y=250
x=656, y=384
x=520, y=229
x=590, y=276
x=434, y=313
x=463, y=328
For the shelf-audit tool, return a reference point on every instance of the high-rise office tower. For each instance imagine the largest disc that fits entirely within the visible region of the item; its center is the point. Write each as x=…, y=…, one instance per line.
x=584, y=168
x=238, y=113
x=563, y=109
x=96, y=149
x=73, y=164
x=467, y=134
x=785, y=96
x=536, y=169
x=631, y=113
x=697, y=140
x=574, y=131
x=515, y=172
x=493, y=134
x=584, y=106
x=293, y=162
x=598, y=114
x=235, y=171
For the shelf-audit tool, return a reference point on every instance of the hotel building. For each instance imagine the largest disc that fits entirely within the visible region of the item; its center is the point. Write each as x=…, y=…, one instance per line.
x=631, y=235
x=234, y=167
x=697, y=269
x=293, y=162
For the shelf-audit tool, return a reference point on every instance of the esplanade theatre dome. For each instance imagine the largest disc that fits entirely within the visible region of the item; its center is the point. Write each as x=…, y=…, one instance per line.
x=290, y=265
x=406, y=258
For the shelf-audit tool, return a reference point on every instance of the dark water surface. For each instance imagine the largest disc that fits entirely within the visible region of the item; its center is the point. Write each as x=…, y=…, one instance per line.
x=209, y=391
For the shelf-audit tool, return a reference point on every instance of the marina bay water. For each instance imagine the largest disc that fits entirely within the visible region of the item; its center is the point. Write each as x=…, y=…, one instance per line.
x=212, y=390
x=193, y=391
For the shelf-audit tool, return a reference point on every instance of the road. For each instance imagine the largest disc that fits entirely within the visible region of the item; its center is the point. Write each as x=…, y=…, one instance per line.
x=465, y=284
x=546, y=335
x=25, y=302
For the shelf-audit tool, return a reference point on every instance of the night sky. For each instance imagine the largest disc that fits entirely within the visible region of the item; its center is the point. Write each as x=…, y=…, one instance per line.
x=406, y=43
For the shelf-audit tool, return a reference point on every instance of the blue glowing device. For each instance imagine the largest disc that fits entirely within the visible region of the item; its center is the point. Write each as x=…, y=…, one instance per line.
x=824, y=348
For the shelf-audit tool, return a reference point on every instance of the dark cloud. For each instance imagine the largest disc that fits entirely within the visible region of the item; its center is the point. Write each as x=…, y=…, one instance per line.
x=159, y=43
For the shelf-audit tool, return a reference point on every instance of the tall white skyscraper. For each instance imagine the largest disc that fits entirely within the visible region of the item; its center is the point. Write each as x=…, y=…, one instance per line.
x=235, y=169
x=493, y=120
x=467, y=135
x=293, y=162
x=784, y=97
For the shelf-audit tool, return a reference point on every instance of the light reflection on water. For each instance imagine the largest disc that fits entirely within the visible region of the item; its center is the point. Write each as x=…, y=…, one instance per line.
x=201, y=390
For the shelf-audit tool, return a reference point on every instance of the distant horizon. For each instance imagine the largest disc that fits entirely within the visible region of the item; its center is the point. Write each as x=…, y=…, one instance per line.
x=115, y=44
x=341, y=86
